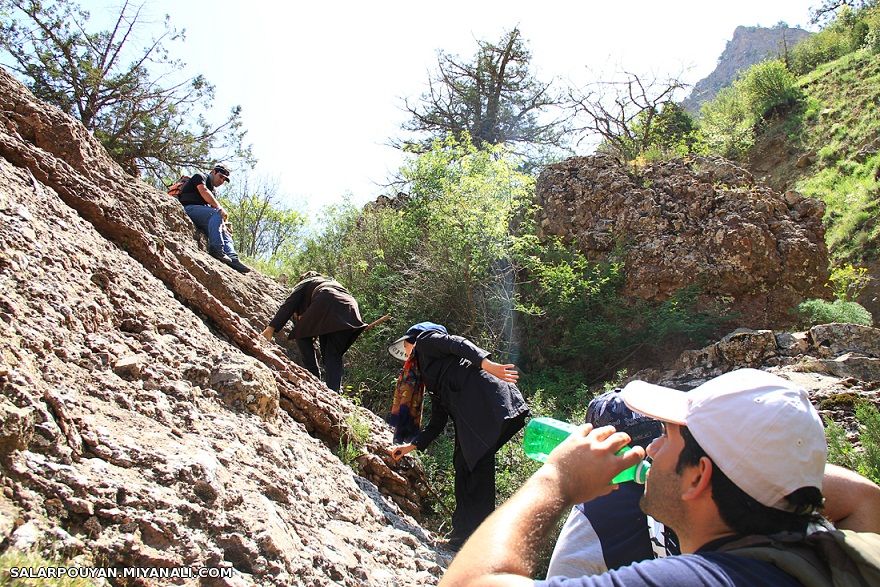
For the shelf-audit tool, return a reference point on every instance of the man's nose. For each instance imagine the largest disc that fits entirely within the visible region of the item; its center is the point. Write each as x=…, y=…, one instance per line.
x=652, y=448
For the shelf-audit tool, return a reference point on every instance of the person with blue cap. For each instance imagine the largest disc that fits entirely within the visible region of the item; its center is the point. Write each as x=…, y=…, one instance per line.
x=611, y=531
x=481, y=398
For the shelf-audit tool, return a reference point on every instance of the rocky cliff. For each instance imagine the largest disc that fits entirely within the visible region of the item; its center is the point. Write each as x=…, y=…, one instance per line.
x=144, y=420
x=753, y=252
x=748, y=46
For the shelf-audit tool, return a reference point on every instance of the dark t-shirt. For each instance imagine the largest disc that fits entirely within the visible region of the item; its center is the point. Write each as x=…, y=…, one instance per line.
x=189, y=193
x=705, y=568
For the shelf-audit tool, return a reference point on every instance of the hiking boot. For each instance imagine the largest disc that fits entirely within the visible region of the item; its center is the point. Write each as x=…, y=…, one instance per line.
x=218, y=254
x=237, y=265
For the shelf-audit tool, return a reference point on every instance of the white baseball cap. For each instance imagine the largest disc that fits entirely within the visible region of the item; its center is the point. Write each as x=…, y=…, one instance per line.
x=761, y=430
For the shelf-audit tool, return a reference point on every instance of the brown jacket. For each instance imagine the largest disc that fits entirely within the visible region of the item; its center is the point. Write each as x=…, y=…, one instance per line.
x=323, y=306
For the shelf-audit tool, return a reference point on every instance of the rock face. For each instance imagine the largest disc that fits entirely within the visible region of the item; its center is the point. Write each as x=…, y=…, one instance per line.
x=748, y=46
x=701, y=221
x=144, y=420
x=839, y=364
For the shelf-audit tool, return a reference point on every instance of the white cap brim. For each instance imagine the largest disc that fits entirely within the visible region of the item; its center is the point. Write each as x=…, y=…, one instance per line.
x=396, y=350
x=655, y=401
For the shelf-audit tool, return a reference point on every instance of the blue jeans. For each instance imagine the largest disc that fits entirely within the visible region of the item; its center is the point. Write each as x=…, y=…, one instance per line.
x=209, y=221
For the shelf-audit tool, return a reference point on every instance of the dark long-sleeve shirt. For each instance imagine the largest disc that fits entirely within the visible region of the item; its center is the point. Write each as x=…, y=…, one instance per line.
x=481, y=406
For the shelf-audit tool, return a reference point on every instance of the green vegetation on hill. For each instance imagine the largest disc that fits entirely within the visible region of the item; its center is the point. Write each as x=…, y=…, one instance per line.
x=841, y=124
x=810, y=119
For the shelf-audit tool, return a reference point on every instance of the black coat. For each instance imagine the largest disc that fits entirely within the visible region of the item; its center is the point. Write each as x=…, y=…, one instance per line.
x=323, y=306
x=485, y=410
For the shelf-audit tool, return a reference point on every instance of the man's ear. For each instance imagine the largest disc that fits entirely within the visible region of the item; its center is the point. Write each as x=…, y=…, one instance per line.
x=698, y=479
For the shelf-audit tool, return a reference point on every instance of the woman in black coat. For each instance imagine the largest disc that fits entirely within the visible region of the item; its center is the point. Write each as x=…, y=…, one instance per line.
x=323, y=309
x=485, y=406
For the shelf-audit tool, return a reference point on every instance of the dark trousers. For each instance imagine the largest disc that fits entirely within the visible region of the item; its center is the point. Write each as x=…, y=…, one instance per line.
x=333, y=346
x=475, y=490
x=474, y=494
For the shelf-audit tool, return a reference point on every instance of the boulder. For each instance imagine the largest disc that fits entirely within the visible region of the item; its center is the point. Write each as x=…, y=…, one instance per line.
x=704, y=222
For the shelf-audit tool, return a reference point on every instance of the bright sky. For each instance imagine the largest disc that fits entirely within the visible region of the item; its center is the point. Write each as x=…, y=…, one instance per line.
x=321, y=84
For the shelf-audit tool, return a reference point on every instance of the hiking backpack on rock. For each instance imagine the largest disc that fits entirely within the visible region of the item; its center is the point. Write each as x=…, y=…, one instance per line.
x=177, y=186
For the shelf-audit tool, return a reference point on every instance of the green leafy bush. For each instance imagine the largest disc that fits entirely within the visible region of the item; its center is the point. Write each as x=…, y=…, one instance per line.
x=848, y=281
x=725, y=125
x=814, y=312
x=574, y=311
x=840, y=452
x=768, y=88
x=840, y=449
x=849, y=31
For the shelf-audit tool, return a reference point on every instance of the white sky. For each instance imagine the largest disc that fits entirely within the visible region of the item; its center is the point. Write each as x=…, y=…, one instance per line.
x=321, y=84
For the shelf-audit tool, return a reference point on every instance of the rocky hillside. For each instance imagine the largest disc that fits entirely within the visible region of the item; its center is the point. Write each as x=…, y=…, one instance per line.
x=753, y=252
x=145, y=423
x=144, y=420
x=828, y=147
x=748, y=46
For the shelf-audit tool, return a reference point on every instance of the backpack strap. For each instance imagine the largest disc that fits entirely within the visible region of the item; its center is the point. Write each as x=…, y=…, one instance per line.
x=788, y=552
x=821, y=559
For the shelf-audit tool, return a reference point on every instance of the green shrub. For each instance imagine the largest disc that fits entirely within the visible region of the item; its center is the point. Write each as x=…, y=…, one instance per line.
x=579, y=307
x=355, y=433
x=840, y=452
x=726, y=128
x=844, y=35
x=872, y=37
x=814, y=312
x=768, y=88
x=848, y=281
x=869, y=436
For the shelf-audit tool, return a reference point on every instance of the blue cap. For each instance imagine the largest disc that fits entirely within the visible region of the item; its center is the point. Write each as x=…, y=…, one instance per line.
x=396, y=348
x=608, y=409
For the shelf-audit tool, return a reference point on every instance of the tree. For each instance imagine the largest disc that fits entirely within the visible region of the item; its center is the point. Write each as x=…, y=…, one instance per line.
x=827, y=9
x=261, y=226
x=623, y=112
x=494, y=98
x=149, y=124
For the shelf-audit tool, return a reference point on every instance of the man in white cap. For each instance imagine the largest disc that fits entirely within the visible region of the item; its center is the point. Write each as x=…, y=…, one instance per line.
x=741, y=455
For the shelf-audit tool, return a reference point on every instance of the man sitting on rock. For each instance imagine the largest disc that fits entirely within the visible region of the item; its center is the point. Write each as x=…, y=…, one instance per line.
x=199, y=203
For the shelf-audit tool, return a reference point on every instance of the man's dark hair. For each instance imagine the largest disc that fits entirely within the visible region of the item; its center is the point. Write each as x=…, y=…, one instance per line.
x=743, y=513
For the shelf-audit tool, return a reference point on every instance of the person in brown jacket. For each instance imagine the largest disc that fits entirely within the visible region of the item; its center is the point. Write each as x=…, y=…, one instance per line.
x=325, y=310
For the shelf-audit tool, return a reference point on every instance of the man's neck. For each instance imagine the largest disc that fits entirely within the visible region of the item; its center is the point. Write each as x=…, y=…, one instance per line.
x=701, y=530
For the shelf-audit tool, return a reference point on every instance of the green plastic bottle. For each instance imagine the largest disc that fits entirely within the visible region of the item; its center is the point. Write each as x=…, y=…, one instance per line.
x=542, y=435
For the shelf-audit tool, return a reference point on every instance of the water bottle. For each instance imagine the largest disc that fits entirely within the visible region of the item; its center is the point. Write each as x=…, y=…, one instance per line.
x=637, y=473
x=544, y=434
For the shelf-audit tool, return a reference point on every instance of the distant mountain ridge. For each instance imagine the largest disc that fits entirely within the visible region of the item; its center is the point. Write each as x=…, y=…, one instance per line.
x=749, y=45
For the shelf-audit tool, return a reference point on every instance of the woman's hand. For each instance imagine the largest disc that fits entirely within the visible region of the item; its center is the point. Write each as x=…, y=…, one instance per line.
x=398, y=452
x=267, y=334
x=506, y=372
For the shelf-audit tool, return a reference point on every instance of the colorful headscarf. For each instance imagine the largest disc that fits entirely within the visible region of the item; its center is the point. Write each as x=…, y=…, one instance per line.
x=406, y=411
